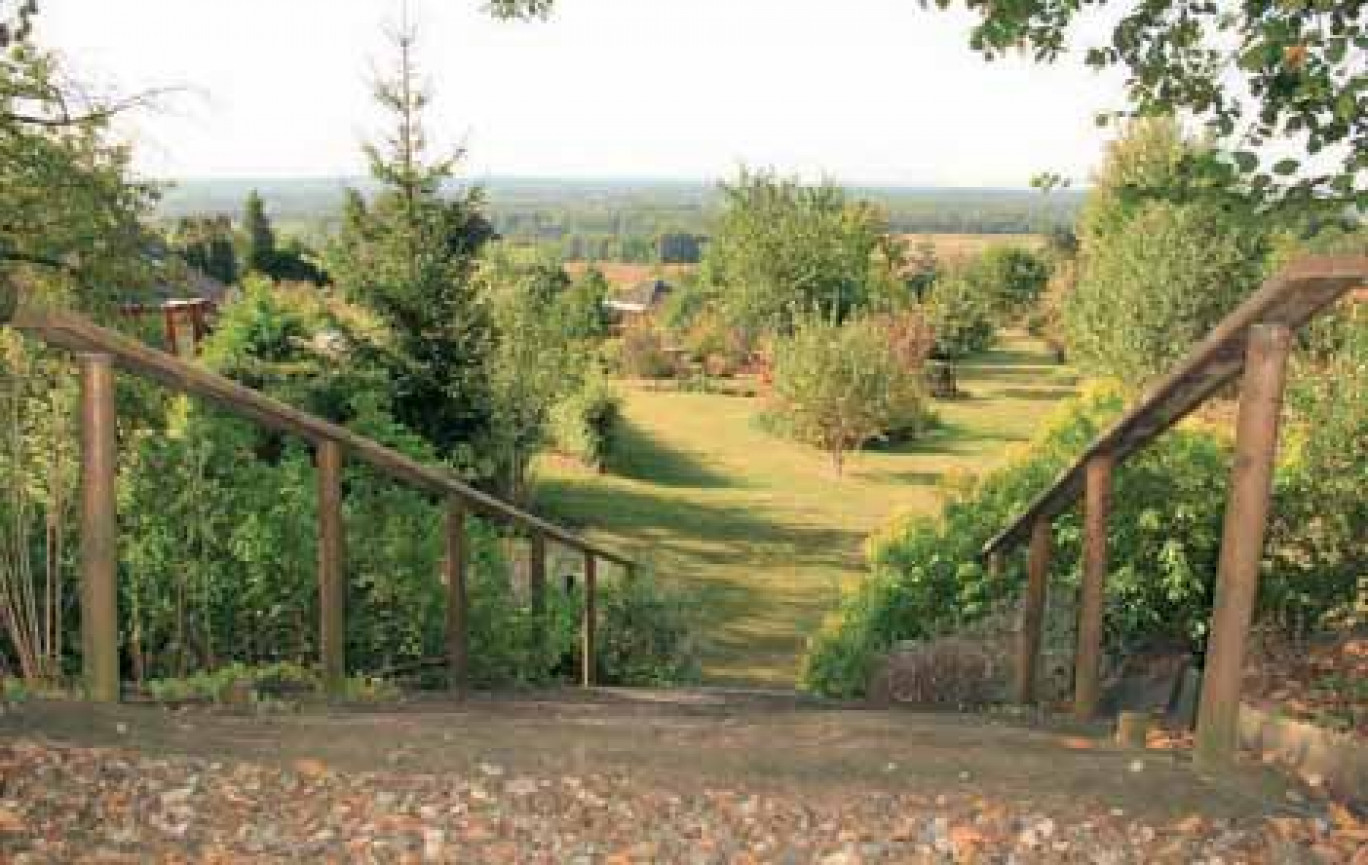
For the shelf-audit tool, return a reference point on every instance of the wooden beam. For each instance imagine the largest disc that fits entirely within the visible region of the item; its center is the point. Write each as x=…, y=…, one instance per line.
x=1242, y=542
x=1291, y=298
x=589, y=622
x=1092, y=593
x=78, y=334
x=457, y=608
x=332, y=580
x=1033, y=612
x=99, y=530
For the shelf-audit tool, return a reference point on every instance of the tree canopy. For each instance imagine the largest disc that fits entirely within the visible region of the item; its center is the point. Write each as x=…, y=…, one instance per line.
x=88, y=241
x=782, y=250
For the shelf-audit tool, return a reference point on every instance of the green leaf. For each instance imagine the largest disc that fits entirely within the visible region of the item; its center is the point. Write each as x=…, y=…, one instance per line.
x=1284, y=167
x=1246, y=161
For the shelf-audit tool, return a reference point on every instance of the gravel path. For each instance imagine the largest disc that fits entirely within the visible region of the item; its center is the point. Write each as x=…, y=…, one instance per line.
x=62, y=801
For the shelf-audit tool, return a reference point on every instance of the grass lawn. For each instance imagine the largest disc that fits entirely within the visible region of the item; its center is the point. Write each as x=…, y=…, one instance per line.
x=761, y=527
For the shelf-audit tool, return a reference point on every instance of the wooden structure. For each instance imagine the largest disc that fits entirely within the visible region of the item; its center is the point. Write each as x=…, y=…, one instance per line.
x=185, y=323
x=1254, y=340
x=102, y=351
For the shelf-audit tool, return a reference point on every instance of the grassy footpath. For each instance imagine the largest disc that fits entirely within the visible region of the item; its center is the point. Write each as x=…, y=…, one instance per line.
x=761, y=526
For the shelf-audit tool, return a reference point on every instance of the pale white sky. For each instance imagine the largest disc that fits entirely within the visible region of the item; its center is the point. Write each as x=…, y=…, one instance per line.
x=861, y=90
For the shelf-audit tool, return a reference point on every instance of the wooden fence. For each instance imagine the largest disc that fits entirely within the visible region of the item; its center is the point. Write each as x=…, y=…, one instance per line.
x=101, y=351
x=1254, y=339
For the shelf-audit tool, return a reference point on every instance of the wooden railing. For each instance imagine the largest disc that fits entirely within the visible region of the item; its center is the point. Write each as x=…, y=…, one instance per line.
x=101, y=350
x=1254, y=339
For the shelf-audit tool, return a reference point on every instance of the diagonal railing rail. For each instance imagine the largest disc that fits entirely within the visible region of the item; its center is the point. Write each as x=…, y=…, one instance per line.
x=101, y=350
x=1254, y=340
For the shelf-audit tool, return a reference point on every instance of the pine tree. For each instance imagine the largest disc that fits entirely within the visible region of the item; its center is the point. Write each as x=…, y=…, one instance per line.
x=259, y=248
x=409, y=257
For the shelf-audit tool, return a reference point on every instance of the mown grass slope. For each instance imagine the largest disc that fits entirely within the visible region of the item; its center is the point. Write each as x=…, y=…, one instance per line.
x=761, y=526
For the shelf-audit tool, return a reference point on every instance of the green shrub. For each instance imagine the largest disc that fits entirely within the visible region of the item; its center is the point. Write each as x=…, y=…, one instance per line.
x=961, y=317
x=264, y=682
x=509, y=643
x=1013, y=278
x=588, y=423
x=1318, y=544
x=645, y=635
x=926, y=577
x=641, y=353
x=839, y=386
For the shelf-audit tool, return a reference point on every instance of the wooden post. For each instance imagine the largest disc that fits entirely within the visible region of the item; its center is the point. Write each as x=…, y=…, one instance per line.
x=1242, y=541
x=589, y=623
x=536, y=576
x=1033, y=611
x=458, y=627
x=169, y=315
x=1132, y=729
x=99, y=530
x=1092, y=594
x=332, y=581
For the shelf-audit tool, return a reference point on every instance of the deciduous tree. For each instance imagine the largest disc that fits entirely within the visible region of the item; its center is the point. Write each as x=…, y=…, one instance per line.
x=783, y=250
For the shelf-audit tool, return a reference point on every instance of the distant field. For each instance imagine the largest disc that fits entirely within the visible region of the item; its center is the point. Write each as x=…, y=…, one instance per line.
x=950, y=249
x=957, y=248
x=759, y=526
x=624, y=275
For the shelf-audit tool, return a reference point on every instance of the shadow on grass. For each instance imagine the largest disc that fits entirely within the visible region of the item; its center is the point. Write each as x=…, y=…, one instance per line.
x=642, y=457
x=747, y=608
x=949, y=438
x=725, y=534
x=926, y=479
x=1038, y=393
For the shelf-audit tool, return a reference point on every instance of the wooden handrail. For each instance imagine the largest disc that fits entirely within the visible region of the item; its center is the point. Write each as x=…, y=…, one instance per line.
x=1291, y=298
x=78, y=334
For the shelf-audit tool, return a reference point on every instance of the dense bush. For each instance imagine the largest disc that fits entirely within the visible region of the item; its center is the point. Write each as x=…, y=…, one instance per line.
x=839, y=386
x=721, y=349
x=1318, y=543
x=641, y=352
x=1145, y=296
x=1011, y=277
x=587, y=424
x=1164, y=255
x=646, y=635
x=961, y=317
x=926, y=577
x=220, y=552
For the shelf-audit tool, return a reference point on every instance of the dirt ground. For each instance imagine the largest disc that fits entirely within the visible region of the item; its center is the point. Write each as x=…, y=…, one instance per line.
x=643, y=776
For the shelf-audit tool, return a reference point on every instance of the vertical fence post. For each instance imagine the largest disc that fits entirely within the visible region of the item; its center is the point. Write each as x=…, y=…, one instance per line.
x=169, y=315
x=99, y=530
x=536, y=577
x=588, y=648
x=1033, y=610
x=458, y=628
x=332, y=581
x=1242, y=541
x=1092, y=594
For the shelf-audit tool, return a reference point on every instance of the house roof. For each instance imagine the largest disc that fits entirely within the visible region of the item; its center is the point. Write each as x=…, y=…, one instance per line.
x=643, y=296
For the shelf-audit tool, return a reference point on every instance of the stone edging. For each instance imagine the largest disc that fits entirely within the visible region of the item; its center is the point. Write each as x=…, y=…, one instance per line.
x=1339, y=760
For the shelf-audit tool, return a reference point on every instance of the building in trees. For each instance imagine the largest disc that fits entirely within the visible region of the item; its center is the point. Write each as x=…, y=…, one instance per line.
x=641, y=301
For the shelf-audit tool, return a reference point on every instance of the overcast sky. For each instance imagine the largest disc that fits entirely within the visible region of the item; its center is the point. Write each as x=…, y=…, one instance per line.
x=860, y=90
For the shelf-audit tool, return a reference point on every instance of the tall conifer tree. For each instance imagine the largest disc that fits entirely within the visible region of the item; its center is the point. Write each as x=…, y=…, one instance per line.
x=409, y=257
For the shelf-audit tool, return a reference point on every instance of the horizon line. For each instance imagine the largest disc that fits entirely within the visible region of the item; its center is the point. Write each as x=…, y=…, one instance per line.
x=602, y=178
